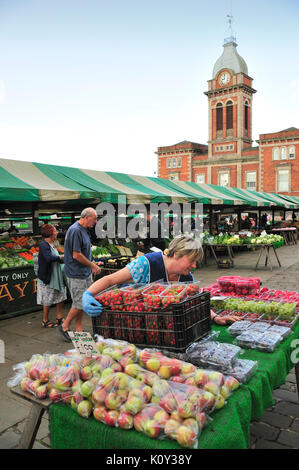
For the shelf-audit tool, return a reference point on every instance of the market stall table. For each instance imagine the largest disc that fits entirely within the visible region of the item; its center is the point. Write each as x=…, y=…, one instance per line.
x=288, y=234
x=264, y=249
x=38, y=407
x=228, y=429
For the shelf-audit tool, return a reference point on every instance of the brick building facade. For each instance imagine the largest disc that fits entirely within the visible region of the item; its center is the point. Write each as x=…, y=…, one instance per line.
x=230, y=158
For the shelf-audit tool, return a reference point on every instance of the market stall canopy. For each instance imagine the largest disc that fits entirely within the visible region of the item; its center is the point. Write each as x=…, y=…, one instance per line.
x=27, y=181
x=203, y=193
x=257, y=199
x=30, y=182
x=281, y=201
x=291, y=202
x=112, y=185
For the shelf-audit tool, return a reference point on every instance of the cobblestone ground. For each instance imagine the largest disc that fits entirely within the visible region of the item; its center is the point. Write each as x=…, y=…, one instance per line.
x=278, y=427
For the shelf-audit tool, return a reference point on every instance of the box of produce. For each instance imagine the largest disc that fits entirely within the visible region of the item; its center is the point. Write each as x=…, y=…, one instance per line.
x=227, y=283
x=212, y=354
x=259, y=326
x=249, y=339
x=217, y=302
x=173, y=328
x=268, y=342
x=192, y=288
x=173, y=294
x=242, y=370
x=238, y=327
x=245, y=287
x=225, y=264
x=283, y=331
x=10, y=259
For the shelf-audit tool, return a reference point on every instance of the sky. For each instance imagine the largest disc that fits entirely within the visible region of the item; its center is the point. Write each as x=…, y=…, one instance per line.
x=100, y=84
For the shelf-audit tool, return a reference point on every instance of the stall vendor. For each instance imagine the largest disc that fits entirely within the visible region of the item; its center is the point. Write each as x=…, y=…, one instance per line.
x=174, y=265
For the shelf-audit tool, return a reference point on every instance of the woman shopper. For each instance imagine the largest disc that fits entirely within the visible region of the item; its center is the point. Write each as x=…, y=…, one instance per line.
x=51, y=288
x=174, y=265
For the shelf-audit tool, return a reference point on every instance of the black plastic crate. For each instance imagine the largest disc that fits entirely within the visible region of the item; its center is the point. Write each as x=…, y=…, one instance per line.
x=173, y=329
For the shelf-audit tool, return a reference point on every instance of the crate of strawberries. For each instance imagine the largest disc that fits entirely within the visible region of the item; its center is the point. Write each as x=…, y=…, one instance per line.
x=169, y=316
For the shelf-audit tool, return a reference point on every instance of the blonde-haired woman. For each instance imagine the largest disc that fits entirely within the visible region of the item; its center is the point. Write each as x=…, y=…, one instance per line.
x=174, y=265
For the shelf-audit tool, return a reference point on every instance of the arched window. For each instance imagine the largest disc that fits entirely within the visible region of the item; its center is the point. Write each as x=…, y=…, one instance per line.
x=291, y=152
x=219, y=117
x=229, y=115
x=246, y=114
x=276, y=153
x=283, y=153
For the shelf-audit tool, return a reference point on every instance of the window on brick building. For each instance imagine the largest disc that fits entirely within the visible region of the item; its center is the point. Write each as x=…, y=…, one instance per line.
x=283, y=153
x=174, y=163
x=251, y=180
x=219, y=117
x=200, y=178
x=276, y=153
x=291, y=152
x=179, y=162
x=223, y=179
x=229, y=115
x=246, y=124
x=283, y=180
x=168, y=164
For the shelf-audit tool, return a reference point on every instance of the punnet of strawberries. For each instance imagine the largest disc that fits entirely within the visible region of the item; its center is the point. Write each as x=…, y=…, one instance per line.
x=152, y=297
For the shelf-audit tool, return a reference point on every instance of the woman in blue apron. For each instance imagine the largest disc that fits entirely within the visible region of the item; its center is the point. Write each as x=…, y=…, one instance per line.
x=174, y=265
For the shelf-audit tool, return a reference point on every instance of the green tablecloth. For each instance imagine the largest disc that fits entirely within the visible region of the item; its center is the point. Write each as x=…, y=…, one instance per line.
x=229, y=427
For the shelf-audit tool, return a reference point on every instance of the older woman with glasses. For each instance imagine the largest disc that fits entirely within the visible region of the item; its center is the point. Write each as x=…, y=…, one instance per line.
x=51, y=288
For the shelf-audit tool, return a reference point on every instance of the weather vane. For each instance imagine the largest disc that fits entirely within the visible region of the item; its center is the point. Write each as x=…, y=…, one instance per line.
x=230, y=25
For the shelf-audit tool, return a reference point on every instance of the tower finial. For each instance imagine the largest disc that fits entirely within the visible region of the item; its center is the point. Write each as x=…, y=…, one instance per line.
x=231, y=38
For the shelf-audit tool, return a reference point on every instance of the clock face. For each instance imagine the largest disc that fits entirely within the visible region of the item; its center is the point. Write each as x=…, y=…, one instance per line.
x=224, y=78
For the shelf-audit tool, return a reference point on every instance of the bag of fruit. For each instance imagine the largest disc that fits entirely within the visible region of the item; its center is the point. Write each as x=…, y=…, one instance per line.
x=117, y=398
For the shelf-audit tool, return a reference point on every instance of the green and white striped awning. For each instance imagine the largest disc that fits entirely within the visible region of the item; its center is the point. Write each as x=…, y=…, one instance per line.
x=29, y=181
x=203, y=193
x=292, y=199
x=280, y=201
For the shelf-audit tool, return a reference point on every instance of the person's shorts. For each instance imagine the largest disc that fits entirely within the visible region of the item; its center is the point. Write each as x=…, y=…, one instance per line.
x=76, y=288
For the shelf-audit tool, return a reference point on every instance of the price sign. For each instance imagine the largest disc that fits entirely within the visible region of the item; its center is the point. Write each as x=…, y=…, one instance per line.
x=128, y=251
x=83, y=342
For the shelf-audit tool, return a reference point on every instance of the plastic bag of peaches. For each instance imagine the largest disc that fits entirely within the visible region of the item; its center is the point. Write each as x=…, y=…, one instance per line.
x=34, y=376
x=179, y=371
x=117, y=398
x=75, y=383
x=177, y=411
x=121, y=351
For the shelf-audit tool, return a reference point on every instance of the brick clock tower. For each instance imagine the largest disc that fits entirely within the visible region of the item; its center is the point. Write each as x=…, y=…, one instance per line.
x=229, y=158
x=229, y=95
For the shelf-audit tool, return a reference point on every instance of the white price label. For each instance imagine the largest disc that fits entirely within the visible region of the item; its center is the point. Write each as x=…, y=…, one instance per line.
x=83, y=342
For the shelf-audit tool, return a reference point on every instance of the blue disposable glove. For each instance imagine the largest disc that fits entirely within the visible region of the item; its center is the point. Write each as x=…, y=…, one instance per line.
x=90, y=305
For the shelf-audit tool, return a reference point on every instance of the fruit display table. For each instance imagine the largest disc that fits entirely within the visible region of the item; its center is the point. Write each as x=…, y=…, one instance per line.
x=265, y=250
x=228, y=429
x=288, y=234
x=38, y=407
